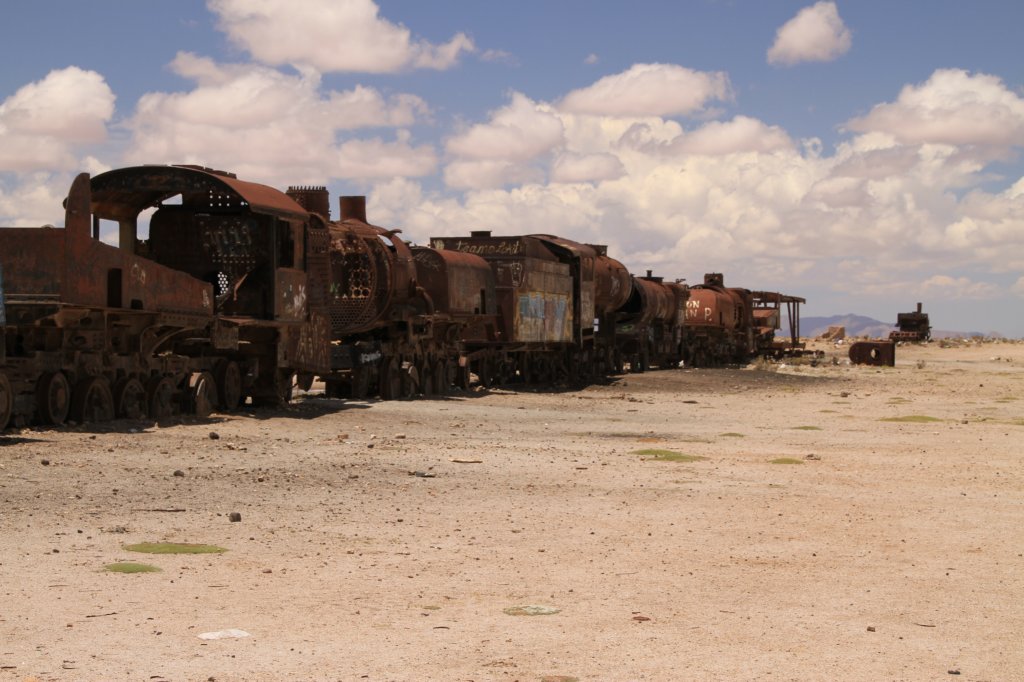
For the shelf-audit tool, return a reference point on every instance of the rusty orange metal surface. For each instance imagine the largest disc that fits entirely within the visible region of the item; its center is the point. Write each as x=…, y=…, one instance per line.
x=457, y=283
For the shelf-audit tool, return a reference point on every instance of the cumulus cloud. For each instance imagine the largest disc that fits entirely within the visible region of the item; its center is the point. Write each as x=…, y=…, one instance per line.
x=489, y=173
x=499, y=57
x=574, y=167
x=815, y=34
x=952, y=107
x=501, y=151
x=649, y=90
x=275, y=127
x=737, y=195
x=944, y=286
x=741, y=134
x=45, y=123
x=519, y=131
x=331, y=35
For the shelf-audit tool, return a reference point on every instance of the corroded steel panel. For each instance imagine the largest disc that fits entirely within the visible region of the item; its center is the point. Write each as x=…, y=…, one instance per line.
x=33, y=259
x=542, y=310
x=361, y=283
x=291, y=296
x=612, y=285
x=457, y=283
x=306, y=347
x=711, y=308
x=123, y=193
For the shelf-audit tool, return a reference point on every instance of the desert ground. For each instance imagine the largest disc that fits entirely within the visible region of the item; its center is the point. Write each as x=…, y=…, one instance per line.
x=758, y=523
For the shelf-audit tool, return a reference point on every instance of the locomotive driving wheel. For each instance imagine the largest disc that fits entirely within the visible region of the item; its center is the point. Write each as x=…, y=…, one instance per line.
x=92, y=401
x=228, y=378
x=441, y=376
x=160, y=397
x=129, y=399
x=6, y=401
x=425, y=375
x=53, y=398
x=203, y=394
x=390, y=379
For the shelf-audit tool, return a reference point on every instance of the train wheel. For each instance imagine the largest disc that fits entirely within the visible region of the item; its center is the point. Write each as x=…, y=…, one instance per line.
x=160, y=397
x=129, y=399
x=228, y=378
x=485, y=372
x=461, y=373
x=426, y=369
x=442, y=377
x=6, y=401
x=391, y=380
x=92, y=401
x=53, y=398
x=361, y=382
x=203, y=394
x=410, y=379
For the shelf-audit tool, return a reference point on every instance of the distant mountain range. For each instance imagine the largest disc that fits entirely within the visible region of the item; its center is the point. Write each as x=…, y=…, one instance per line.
x=859, y=325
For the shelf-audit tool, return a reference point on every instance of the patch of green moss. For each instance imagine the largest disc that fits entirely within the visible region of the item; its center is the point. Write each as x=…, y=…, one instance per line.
x=807, y=428
x=787, y=460
x=531, y=610
x=174, y=548
x=668, y=455
x=731, y=434
x=131, y=567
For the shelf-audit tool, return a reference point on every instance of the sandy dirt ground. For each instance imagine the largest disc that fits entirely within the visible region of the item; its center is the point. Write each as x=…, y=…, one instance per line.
x=807, y=539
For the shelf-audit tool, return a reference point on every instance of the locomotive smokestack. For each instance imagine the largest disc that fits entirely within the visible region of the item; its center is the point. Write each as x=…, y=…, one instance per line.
x=918, y=307
x=353, y=207
x=649, y=273
x=313, y=199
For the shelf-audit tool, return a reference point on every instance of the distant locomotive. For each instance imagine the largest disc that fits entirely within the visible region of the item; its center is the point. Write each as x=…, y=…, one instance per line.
x=239, y=292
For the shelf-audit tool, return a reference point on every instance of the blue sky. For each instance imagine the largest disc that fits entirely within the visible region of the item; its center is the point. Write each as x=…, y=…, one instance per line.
x=865, y=155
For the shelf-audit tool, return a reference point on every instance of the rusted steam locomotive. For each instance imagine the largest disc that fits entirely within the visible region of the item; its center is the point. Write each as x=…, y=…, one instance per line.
x=238, y=292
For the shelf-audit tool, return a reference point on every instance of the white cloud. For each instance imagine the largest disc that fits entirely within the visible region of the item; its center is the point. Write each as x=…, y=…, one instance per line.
x=946, y=287
x=273, y=127
x=741, y=134
x=519, y=131
x=45, y=123
x=649, y=90
x=489, y=173
x=736, y=195
x=815, y=34
x=952, y=107
x=33, y=199
x=573, y=167
x=499, y=57
x=504, y=150
x=331, y=35
x=591, y=59
x=376, y=158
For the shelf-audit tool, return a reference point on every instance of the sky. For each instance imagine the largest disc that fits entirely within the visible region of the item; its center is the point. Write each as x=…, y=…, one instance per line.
x=865, y=155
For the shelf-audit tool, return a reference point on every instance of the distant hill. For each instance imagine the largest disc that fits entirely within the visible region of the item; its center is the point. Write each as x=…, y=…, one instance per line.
x=859, y=325
x=856, y=325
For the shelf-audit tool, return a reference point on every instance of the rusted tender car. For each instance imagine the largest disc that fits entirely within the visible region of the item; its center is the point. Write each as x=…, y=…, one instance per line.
x=396, y=313
x=650, y=323
x=218, y=301
x=719, y=326
x=556, y=304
